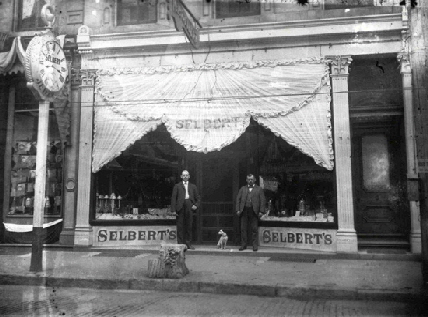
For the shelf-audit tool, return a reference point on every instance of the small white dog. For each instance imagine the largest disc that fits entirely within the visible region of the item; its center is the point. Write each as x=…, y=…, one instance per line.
x=223, y=240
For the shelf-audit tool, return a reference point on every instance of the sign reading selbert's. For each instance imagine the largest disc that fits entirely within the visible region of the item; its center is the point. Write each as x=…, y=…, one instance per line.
x=121, y=236
x=298, y=238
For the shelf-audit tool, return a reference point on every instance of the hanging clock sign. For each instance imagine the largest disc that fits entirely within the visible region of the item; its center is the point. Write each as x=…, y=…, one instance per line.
x=46, y=67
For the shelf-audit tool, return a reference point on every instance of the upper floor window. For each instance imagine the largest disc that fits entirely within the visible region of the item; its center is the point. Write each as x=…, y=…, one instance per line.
x=136, y=11
x=230, y=9
x=29, y=14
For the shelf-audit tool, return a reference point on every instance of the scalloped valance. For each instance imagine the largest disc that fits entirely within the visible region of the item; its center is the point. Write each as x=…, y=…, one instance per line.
x=8, y=59
x=208, y=106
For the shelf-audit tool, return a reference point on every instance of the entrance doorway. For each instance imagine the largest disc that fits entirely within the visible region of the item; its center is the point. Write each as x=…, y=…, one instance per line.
x=382, y=216
x=217, y=175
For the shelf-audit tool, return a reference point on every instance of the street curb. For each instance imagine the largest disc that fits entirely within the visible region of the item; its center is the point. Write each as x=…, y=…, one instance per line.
x=288, y=256
x=222, y=288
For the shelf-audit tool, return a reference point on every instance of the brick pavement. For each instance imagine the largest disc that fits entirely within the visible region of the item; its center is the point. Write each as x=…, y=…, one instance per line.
x=48, y=301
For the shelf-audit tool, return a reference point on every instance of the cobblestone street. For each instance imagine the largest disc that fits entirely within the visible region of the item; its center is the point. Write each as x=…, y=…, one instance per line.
x=48, y=301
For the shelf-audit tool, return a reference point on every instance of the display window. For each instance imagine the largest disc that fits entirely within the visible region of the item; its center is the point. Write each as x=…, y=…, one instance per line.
x=296, y=188
x=299, y=197
x=137, y=185
x=23, y=160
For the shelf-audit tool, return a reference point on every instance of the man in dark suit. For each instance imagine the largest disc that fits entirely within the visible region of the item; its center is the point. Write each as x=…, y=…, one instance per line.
x=185, y=199
x=250, y=204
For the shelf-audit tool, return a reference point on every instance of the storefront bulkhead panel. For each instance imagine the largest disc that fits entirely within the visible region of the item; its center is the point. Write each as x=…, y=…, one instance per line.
x=298, y=238
x=119, y=236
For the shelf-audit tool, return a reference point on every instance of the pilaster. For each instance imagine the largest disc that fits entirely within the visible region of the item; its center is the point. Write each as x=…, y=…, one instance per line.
x=346, y=236
x=83, y=231
x=72, y=156
x=409, y=126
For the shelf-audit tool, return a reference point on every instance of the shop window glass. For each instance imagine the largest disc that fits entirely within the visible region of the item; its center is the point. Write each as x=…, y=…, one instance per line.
x=136, y=11
x=296, y=188
x=375, y=163
x=29, y=14
x=230, y=9
x=23, y=160
x=137, y=185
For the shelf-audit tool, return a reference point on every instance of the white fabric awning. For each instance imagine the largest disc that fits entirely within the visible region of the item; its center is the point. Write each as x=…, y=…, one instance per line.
x=13, y=227
x=8, y=62
x=208, y=106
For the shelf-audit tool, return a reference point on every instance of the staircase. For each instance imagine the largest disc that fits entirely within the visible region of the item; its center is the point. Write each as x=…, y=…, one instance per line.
x=390, y=242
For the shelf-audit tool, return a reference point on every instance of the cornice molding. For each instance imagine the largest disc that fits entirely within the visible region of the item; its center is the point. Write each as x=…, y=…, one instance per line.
x=304, y=23
x=329, y=40
x=383, y=24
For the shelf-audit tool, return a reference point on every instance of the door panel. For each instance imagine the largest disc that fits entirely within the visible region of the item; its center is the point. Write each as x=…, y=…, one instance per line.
x=379, y=178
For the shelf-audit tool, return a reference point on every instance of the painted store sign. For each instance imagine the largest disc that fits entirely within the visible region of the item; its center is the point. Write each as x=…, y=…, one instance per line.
x=298, y=238
x=121, y=236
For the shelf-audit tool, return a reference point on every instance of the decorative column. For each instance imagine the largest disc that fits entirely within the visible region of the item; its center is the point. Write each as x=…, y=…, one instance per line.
x=83, y=231
x=72, y=156
x=412, y=175
x=409, y=126
x=346, y=236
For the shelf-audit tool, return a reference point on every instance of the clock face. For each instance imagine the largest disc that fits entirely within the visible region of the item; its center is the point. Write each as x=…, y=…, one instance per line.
x=52, y=66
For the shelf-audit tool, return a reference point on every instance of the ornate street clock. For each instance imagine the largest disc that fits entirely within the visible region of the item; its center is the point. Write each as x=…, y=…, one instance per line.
x=46, y=67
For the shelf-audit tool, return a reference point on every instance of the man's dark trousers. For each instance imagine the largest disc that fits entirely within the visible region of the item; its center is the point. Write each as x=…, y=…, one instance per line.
x=249, y=217
x=184, y=223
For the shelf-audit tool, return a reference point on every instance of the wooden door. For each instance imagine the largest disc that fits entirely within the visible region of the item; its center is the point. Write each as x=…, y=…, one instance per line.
x=382, y=214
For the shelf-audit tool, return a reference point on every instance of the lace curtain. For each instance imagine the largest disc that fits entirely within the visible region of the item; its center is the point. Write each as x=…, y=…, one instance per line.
x=206, y=107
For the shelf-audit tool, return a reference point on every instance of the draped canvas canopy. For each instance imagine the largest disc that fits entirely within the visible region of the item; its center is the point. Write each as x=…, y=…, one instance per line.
x=208, y=106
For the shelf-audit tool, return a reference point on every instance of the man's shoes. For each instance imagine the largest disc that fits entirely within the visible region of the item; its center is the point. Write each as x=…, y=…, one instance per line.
x=254, y=249
x=242, y=248
x=191, y=247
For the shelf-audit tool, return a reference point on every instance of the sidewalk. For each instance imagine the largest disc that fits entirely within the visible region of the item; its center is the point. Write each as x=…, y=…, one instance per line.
x=268, y=272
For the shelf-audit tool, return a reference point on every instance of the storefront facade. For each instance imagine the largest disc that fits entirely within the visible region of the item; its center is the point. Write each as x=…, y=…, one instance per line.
x=263, y=88
x=21, y=21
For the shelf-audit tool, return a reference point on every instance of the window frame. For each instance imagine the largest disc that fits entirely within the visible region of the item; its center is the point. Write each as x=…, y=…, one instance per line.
x=239, y=14
x=19, y=23
x=119, y=20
